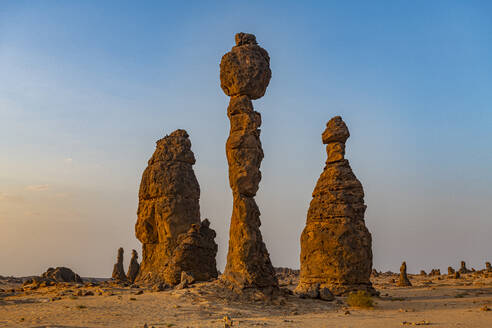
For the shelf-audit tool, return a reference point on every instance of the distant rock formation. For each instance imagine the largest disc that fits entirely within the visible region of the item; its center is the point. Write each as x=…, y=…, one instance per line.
x=134, y=267
x=450, y=271
x=168, y=223
x=118, y=271
x=435, y=272
x=463, y=269
x=61, y=274
x=423, y=273
x=51, y=277
x=335, y=244
x=488, y=267
x=244, y=75
x=403, y=281
x=454, y=275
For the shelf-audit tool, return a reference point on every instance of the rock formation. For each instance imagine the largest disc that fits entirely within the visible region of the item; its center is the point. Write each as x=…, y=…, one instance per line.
x=488, y=267
x=435, y=272
x=244, y=75
x=403, y=281
x=463, y=269
x=423, y=273
x=335, y=244
x=168, y=224
x=133, y=268
x=450, y=271
x=118, y=271
x=61, y=274
x=454, y=275
x=51, y=277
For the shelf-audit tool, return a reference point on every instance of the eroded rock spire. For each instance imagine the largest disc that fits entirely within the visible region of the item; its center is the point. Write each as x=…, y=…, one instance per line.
x=118, y=271
x=336, y=251
x=403, y=280
x=244, y=75
x=134, y=267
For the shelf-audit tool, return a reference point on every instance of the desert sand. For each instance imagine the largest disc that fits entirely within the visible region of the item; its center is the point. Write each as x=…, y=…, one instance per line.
x=435, y=301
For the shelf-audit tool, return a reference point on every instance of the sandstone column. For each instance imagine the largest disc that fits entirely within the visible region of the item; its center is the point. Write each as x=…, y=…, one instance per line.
x=134, y=267
x=244, y=75
x=403, y=279
x=335, y=244
x=118, y=271
x=168, y=225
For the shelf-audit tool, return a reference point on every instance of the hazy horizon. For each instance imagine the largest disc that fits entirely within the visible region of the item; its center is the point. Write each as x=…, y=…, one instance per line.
x=86, y=88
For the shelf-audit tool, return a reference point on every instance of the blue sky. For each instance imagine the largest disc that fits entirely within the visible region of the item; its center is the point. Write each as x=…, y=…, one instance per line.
x=87, y=87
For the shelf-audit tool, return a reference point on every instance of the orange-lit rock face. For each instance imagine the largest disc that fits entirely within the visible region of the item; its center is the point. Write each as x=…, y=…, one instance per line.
x=403, y=280
x=245, y=74
x=168, y=208
x=335, y=244
x=245, y=70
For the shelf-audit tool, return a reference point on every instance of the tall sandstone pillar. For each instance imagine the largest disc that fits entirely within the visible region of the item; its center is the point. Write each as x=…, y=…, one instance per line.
x=335, y=245
x=168, y=225
x=244, y=75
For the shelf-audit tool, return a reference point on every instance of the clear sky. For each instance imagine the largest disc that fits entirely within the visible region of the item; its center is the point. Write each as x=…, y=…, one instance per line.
x=87, y=87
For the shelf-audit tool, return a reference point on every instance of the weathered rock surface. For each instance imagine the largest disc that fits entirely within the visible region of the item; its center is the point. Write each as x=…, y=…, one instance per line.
x=403, y=280
x=245, y=70
x=245, y=74
x=134, y=267
x=61, y=274
x=488, y=267
x=451, y=271
x=335, y=244
x=168, y=223
x=118, y=271
x=194, y=254
x=51, y=277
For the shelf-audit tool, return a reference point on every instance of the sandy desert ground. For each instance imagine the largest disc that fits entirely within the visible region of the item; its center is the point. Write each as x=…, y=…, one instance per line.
x=434, y=301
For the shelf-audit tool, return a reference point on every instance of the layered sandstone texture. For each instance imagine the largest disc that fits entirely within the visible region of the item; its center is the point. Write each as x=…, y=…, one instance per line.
x=168, y=223
x=403, y=280
x=118, y=271
x=336, y=246
x=244, y=75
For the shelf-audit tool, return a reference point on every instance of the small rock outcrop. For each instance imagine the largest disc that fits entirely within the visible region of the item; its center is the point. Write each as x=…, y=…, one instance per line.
x=51, y=277
x=450, y=271
x=488, y=267
x=463, y=269
x=168, y=225
x=423, y=273
x=435, y=272
x=133, y=268
x=61, y=274
x=336, y=246
x=244, y=75
x=403, y=280
x=118, y=271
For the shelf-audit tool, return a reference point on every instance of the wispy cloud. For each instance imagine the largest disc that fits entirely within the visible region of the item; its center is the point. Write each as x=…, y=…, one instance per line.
x=41, y=187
